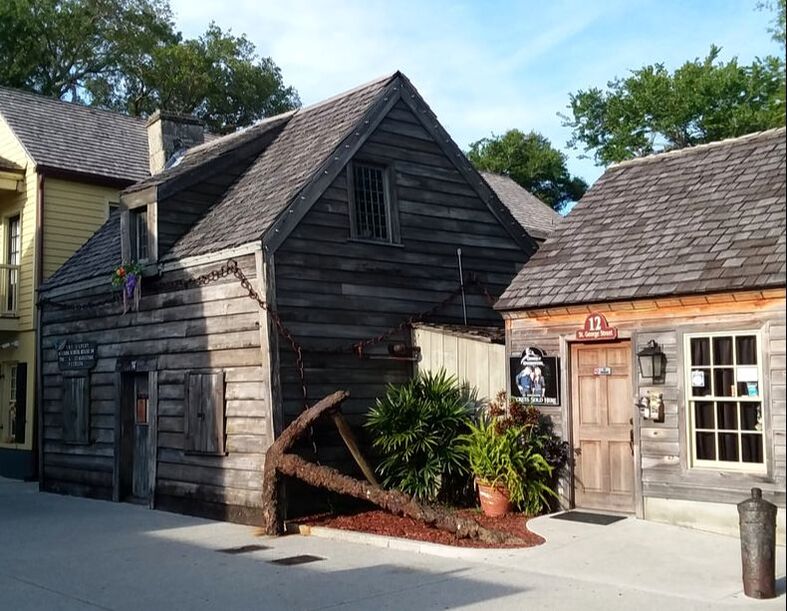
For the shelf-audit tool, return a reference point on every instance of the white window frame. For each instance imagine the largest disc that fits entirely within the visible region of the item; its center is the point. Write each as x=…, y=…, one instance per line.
x=136, y=215
x=723, y=465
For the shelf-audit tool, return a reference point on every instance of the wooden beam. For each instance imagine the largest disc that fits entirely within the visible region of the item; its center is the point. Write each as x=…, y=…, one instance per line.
x=349, y=440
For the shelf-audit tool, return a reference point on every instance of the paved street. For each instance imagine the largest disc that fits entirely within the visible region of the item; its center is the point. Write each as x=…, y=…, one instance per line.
x=69, y=553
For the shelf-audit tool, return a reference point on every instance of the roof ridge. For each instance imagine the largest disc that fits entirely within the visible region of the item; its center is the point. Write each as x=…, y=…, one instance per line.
x=45, y=98
x=224, y=138
x=338, y=96
x=687, y=150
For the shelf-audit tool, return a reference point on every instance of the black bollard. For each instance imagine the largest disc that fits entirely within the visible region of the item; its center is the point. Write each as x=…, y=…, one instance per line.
x=758, y=545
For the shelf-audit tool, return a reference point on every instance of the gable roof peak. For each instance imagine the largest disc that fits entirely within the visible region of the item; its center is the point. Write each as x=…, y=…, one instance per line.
x=382, y=80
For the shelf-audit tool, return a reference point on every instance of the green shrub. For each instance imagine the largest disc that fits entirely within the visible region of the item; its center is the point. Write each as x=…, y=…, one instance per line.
x=544, y=454
x=415, y=429
x=498, y=457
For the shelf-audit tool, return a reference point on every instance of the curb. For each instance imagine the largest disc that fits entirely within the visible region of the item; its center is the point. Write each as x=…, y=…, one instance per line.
x=395, y=543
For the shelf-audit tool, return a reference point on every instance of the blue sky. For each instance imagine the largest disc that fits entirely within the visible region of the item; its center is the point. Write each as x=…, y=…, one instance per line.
x=484, y=66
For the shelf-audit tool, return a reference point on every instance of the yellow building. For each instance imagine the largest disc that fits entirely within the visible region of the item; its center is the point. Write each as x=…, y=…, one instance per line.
x=61, y=169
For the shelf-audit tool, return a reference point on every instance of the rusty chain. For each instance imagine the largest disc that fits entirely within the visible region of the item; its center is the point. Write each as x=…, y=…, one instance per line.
x=231, y=267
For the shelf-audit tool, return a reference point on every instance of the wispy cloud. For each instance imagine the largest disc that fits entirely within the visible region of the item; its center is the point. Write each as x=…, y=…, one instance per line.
x=483, y=67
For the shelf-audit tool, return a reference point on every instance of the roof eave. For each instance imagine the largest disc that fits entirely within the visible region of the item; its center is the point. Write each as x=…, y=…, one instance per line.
x=77, y=176
x=506, y=305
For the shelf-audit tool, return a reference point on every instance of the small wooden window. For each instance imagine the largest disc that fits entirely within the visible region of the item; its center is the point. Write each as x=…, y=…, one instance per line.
x=140, y=249
x=372, y=211
x=724, y=382
x=205, y=413
x=76, y=409
x=142, y=398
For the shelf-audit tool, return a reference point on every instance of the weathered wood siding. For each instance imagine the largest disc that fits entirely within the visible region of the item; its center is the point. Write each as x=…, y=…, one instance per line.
x=196, y=191
x=332, y=291
x=663, y=448
x=474, y=361
x=213, y=328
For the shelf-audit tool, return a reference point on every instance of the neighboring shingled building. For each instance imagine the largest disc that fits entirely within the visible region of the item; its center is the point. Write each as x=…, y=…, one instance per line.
x=62, y=167
x=539, y=219
x=662, y=295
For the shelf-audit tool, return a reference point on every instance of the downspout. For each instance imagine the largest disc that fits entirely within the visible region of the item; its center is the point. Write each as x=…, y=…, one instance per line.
x=38, y=405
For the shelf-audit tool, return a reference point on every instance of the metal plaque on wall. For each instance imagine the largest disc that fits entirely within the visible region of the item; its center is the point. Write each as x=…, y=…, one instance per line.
x=76, y=356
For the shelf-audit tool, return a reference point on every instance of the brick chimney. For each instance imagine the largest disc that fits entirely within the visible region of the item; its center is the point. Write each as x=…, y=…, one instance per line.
x=169, y=132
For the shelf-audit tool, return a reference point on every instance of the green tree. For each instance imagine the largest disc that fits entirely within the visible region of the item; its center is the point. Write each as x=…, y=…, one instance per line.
x=704, y=100
x=126, y=55
x=530, y=160
x=778, y=29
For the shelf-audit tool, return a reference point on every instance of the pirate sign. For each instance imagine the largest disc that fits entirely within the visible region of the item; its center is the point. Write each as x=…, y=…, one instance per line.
x=534, y=377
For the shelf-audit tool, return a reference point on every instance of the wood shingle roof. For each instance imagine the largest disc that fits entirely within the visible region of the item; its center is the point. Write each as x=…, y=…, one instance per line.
x=535, y=216
x=699, y=220
x=73, y=138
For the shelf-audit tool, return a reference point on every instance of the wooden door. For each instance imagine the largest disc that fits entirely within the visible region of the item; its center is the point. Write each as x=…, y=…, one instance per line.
x=140, y=482
x=135, y=437
x=602, y=426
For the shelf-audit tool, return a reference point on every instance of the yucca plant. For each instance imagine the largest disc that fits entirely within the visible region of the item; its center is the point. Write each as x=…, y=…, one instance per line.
x=415, y=429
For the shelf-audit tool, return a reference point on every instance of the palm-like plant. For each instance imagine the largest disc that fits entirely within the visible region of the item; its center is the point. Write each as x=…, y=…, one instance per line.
x=499, y=458
x=415, y=430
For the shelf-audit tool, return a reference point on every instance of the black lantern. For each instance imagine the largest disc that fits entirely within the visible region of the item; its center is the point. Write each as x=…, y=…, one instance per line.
x=652, y=361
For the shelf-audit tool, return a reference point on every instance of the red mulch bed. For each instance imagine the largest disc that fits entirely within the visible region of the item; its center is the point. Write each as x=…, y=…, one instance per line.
x=383, y=523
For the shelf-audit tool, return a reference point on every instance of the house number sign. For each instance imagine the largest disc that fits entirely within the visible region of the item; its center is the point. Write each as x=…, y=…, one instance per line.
x=80, y=355
x=596, y=329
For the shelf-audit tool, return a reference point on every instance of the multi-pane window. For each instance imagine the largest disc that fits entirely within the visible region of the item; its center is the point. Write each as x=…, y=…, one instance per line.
x=13, y=257
x=725, y=401
x=139, y=234
x=372, y=210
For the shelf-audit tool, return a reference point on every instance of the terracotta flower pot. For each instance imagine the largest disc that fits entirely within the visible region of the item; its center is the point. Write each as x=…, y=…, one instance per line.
x=494, y=500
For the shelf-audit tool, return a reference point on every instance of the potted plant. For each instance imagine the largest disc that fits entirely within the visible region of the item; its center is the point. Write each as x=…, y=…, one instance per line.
x=497, y=460
x=508, y=470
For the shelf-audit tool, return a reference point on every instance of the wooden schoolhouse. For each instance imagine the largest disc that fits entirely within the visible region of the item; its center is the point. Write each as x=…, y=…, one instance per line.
x=279, y=264
x=657, y=312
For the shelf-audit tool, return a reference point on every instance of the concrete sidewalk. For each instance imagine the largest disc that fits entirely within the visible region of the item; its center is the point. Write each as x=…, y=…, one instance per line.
x=69, y=553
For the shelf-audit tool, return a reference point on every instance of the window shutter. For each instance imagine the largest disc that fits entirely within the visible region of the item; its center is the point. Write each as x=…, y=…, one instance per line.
x=205, y=413
x=21, y=402
x=76, y=409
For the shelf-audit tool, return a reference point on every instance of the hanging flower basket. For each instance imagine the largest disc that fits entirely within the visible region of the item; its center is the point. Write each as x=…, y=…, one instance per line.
x=128, y=276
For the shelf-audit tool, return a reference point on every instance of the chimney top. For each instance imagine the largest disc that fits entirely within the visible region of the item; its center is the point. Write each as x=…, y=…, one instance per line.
x=169, y=132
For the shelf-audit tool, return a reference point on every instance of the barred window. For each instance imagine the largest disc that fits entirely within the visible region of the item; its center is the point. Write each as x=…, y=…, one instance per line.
x=371, y=209
x=725, y=401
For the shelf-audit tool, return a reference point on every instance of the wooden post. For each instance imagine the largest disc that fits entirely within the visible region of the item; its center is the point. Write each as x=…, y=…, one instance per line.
x=349, y=440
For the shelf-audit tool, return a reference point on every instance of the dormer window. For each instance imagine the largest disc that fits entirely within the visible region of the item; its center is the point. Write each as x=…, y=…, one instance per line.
x=373, y=214
x=140, y=243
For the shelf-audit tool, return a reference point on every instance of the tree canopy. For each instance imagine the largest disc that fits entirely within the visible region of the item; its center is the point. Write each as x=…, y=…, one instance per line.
x=126, y=55
x=653, y=109
x=530, y=160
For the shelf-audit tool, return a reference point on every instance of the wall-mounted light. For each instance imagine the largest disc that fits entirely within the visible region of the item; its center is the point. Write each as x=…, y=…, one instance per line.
x=652, y=361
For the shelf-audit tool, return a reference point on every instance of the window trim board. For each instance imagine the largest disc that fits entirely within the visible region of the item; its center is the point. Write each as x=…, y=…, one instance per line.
x=691, y=462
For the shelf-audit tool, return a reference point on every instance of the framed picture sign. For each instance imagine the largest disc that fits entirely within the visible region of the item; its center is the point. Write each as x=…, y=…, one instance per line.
x=535, y=377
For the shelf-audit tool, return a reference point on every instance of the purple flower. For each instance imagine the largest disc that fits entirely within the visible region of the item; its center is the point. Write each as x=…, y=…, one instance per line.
x=131, y=284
